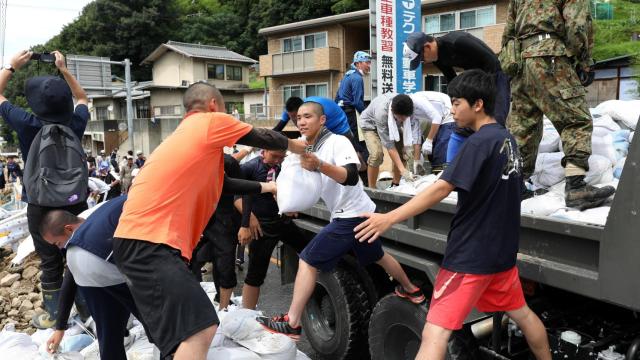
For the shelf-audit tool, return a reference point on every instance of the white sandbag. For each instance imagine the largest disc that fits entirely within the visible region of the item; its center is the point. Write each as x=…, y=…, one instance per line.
x=91, y=352
x=25, y=249
x=626, y=111
x=298, y=189
x=75, y=342
x=41, y=336
x=141, y=349
x=543, y=205
x=601, y=132
x=604, y=146
x=550, y=139
x=237, y=353
x=595, y=216
x=605, y=121
x=549, y=170
x=241, y=326
x=17, y=346
x=621, y=143
x=600, y=170
x=617, y=169
x=406, y=188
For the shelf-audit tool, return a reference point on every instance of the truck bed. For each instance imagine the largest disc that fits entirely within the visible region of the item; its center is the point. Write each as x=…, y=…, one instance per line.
x=600, y=262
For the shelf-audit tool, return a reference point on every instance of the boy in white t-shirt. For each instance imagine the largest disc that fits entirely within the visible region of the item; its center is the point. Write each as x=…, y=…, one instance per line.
x=343, y=193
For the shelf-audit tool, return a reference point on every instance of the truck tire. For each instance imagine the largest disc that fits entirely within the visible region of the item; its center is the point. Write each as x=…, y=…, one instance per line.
x=395, y=331
x=336, y=317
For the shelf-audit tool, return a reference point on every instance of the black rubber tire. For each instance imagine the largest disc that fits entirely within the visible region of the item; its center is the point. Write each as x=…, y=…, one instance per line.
x=395, y=331
x=363, y=278
x=336, y=317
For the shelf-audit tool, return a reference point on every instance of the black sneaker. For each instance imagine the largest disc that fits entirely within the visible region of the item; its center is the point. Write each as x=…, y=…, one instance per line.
x=416, y=297
x=279, y=324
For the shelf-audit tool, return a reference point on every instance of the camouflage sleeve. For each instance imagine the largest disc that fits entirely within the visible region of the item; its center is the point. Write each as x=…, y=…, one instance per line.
x=510, y=28
x=579, y=27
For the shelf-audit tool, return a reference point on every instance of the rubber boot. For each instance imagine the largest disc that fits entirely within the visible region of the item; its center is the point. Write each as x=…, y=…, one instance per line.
x=580, y=195
x=50, y=297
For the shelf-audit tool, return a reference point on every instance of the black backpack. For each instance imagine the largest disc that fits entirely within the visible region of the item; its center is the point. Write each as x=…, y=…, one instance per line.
x=56, y=173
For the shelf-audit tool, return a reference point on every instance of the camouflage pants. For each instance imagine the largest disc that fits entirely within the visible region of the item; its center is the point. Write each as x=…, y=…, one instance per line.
x=549, y=85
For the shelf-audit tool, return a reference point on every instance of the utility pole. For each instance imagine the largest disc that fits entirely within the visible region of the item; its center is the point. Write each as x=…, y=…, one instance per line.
x=127, y=79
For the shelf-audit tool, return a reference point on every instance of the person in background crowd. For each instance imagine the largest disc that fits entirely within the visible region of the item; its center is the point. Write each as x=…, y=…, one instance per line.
x=50, y=98
x=14, y=171
x=140, y=159
x=3, y=176
x=91, y=163
x=126, y=176
x=235, y=113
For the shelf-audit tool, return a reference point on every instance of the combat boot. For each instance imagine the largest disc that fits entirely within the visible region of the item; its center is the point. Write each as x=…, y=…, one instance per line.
x=50, y=297
x=580, y=195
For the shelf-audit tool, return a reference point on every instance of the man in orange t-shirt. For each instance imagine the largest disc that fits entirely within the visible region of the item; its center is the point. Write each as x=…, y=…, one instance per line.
x=168, y=208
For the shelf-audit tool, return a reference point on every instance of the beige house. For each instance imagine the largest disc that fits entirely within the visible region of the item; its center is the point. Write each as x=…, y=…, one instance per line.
x=310, y=57
x=177, y=65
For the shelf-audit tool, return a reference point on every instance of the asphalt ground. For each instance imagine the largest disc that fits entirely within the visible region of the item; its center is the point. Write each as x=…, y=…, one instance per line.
x=274, y=297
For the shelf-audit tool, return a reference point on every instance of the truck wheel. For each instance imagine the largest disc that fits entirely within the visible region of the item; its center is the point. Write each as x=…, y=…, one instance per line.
x=395, y=332
x=336, y=317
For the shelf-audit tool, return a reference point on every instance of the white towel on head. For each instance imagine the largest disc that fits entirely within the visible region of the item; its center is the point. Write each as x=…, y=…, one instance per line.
x=394, y=134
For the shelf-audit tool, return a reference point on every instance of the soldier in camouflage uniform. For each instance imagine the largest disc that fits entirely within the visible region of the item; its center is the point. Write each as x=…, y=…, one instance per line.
x=556, y=39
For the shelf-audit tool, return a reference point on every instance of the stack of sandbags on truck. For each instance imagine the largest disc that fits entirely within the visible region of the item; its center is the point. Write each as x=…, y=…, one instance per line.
x=609, y=143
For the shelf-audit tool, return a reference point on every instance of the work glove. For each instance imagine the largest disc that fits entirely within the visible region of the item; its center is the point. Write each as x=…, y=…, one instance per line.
x=418, y=167
x=407, y=175
x=427, y=147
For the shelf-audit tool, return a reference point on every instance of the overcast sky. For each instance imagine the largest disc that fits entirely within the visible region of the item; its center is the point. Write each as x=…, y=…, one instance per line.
x=32, y=22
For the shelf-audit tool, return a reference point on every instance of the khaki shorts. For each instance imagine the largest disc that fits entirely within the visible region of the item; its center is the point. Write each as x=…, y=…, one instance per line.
x=374, y=145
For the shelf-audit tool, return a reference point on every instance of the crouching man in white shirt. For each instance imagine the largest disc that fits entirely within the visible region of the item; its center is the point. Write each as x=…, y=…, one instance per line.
x=343, y=193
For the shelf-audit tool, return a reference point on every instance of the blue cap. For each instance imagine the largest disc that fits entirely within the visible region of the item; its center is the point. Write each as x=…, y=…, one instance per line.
x=361, y=56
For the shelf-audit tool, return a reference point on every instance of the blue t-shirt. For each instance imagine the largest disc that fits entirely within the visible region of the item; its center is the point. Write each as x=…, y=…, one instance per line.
x=336, y=121
x=485, y=229
x=351, y=90
x=96, y=233
x=27, y=125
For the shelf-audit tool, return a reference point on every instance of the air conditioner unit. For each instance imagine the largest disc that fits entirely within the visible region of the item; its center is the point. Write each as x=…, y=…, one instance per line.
x=185, y=82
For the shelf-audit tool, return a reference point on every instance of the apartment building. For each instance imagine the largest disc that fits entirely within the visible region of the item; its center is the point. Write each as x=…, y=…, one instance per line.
x=310, y=57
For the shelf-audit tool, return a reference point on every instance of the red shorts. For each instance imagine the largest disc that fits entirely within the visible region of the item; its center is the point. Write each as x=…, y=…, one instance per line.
x=455, y=294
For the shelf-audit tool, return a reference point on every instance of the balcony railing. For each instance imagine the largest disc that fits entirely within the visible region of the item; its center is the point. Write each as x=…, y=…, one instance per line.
x=320, y=59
